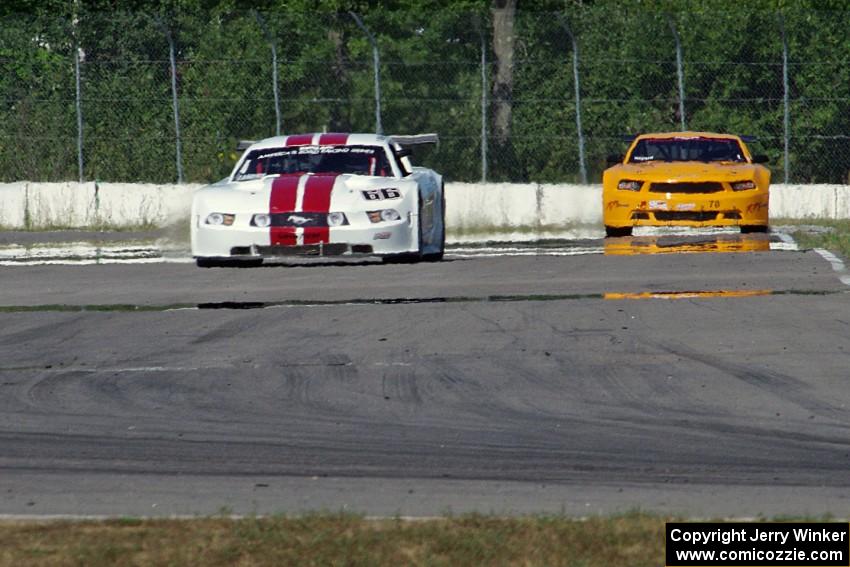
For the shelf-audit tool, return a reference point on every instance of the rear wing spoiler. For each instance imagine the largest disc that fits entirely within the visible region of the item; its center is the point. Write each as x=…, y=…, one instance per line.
x=414, y=140
x=402, y=140
x=629, y=138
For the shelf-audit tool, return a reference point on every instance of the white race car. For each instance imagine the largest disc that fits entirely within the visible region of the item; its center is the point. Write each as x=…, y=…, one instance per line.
x=321, y=195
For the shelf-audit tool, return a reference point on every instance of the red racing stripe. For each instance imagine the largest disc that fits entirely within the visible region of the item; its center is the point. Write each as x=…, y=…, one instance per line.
x=333, y=139
x=317, y=199
x=282, y=200
x=299, y=140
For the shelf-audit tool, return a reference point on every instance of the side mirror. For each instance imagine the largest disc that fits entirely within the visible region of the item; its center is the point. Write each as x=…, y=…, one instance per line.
x=761, y=158
x=404, y=152
x=613, y=159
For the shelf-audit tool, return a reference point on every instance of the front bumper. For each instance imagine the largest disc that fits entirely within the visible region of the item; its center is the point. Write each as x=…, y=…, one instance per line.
x=241, y=241
x=726, y=208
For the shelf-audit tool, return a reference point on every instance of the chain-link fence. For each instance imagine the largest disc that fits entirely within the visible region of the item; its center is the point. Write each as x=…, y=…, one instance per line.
x=135, y=97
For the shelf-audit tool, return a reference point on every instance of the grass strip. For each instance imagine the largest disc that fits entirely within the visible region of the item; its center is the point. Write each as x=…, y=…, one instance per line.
x=834, y=235
x=322, y=539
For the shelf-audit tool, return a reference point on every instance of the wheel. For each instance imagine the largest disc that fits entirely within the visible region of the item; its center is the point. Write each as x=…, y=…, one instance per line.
x=618, y=231
x=438, y=256
x=408, y=257
x=219, y=263
x=751, y=228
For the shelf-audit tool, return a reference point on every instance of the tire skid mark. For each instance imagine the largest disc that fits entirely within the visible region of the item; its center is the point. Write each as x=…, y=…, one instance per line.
x=717, y=426
x=41, y=392
x=486, y=393
x=226, y=330
x=208, y=393
x=777, y=384
x=380, y=457
x=399, y=382
x=69, y=327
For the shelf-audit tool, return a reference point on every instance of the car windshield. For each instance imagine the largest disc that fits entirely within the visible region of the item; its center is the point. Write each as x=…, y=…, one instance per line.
x=357, y=160
x=687, y=149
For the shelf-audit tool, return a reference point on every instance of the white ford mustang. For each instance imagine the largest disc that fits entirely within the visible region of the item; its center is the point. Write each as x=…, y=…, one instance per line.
x=321, y=195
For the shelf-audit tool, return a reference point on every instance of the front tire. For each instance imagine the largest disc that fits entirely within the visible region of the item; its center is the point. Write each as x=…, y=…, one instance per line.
x=438, y=256
x=614, y=231
x=409, y=257
x=203, y=262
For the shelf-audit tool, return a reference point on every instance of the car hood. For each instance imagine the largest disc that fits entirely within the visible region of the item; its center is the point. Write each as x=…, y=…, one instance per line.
x=686, y=171
x=346, y=181
x=346, y=191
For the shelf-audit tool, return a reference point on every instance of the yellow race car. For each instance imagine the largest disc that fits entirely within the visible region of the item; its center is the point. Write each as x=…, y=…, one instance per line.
x=685, y=179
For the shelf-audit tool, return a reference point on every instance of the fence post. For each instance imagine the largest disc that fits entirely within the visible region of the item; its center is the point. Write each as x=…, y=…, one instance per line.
x=679, y=71
x=376, y=60
x=484, y=90
x=786, y=119
x=275, y=90
x=79, y=104
x=581, y=159
x=176, y=106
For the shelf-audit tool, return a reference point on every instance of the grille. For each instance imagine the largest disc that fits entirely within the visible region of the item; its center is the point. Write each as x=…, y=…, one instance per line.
x=300, y=219
x=698, y=216
x=701, y=187
x=333, y=249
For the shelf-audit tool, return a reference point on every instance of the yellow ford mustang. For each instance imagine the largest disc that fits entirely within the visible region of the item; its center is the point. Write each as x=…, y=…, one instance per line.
x=685, y=179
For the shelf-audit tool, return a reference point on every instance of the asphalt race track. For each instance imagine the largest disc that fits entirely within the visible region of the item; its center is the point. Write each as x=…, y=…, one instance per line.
x=703, y=383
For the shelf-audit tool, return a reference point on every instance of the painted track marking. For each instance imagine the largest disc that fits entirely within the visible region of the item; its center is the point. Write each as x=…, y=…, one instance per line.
x=836, y=263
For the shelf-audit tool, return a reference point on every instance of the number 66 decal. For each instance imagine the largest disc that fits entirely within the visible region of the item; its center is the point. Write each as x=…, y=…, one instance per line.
x=381, y=194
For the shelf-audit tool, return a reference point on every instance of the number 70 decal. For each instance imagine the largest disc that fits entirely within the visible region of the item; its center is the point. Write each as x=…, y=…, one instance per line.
x=381, y=194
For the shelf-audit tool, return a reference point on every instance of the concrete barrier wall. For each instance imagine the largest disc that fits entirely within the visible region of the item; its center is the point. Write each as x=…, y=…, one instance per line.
x=37, y=206
x=472, y=207
x=810, y=201
x=150, y=204
x=13, y=204
x=510, y=206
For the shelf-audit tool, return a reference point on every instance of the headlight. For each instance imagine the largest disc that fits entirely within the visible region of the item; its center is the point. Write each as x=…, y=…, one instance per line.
x=385, y=215
x=629, y=185
x=390, y=215
x=262, y=220
x=218, y=219
x=743, y=185
x=336, y=219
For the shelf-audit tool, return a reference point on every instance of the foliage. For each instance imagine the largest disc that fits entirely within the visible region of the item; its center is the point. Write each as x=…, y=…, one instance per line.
x=431, y=80
x=834, y=235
